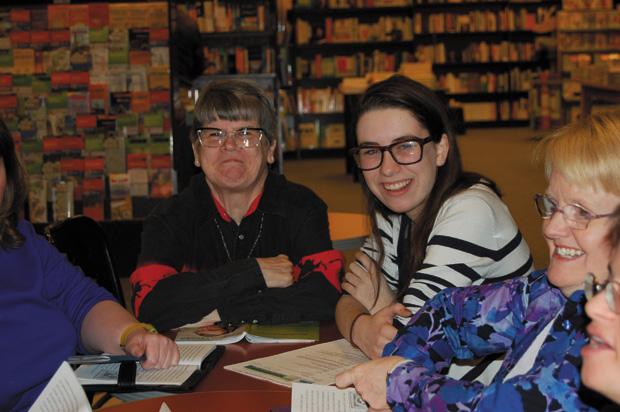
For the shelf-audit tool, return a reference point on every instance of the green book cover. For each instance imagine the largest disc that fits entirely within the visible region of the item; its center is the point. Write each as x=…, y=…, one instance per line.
x=296, y=331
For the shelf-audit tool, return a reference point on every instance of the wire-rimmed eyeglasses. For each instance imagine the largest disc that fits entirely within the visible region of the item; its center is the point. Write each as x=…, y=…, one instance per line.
x=576, y=216
x=245, y=137
x=612, y=291
x=406, y=150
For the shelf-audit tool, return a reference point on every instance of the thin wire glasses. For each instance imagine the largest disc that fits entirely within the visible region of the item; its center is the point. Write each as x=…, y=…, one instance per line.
x=406, y=151
x=246, y=137
x=576, y=216
x=612, y=291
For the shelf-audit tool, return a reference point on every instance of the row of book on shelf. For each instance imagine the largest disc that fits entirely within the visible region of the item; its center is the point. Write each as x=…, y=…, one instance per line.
x=338, y=4
x=239, y=60
x=481, y=21
x=515, y=80
x=358, y=64
x=504, y=110
x=566, y=4
x=588, y=41
x=349, y=30
x=402, y=28
x=586, y=4
x=227, y=16
x=316, y=134
x=588, y=19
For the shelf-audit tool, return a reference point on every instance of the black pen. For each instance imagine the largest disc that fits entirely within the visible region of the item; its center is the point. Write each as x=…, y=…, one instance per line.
x=99, y=359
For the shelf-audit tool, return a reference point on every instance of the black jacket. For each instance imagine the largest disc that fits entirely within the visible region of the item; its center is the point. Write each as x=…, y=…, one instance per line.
x=184, y=271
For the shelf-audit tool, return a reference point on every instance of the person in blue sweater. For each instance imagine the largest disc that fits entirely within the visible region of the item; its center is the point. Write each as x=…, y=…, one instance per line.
x=537, y=322
x=48, y=309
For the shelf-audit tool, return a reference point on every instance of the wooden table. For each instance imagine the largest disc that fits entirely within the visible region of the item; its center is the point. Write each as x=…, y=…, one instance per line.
x=215, y=401
x=223, y=390
x=348, y=230
x=592, y=92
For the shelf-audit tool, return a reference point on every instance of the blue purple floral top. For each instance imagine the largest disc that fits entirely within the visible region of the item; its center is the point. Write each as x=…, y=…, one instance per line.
x=473, y=322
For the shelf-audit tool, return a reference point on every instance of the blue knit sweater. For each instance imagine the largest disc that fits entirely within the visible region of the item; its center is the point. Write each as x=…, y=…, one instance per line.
x=43, y=301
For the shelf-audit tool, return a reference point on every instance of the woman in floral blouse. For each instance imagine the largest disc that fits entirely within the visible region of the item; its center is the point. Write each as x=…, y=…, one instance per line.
x=538, y=322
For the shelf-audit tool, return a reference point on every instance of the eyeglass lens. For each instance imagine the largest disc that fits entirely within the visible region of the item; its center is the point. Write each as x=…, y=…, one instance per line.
x=245, y=137
x=404, y=153
x=575, y=216
x=612, y=291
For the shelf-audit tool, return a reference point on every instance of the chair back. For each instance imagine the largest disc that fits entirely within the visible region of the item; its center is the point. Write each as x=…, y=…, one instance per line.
x=84, y=243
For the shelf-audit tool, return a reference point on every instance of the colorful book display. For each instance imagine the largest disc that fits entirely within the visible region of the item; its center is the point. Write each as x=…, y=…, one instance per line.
x=82, y=88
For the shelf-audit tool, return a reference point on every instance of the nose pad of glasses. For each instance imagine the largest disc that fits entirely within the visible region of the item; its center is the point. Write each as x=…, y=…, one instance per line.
x=389, y=160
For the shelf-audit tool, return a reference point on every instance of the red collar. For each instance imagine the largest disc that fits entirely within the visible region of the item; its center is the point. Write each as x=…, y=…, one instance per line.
x=224, y=215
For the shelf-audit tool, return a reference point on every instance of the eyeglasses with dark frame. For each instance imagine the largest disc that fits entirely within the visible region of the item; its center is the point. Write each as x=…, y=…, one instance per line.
x=245, y=137
x=612, y=290
x=576, y=216
x=407, y=150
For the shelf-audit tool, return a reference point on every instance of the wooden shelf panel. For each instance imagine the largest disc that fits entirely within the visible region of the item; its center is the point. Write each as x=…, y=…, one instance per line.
x=366, y=11
x=487, y=66
x=486, y=96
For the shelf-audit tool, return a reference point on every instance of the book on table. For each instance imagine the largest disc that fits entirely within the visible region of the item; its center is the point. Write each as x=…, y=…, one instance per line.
x=195, y=362
x=253, y=332
x=318, y=364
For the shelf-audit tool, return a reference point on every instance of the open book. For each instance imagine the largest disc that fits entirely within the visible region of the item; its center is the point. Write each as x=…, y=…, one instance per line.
x=309, y=397
x=195, y=361
x=317, y=364
x=64, y=393
x=254, y=333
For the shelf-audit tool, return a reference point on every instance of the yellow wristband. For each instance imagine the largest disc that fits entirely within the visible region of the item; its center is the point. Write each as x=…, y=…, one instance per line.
x=129, y=329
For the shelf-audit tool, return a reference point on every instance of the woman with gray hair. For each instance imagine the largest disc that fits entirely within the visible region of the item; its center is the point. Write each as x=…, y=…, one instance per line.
x=241, y=243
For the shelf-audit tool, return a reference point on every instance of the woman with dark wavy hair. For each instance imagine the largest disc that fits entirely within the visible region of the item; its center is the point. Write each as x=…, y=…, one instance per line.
x=49, y=308
x=433, y=225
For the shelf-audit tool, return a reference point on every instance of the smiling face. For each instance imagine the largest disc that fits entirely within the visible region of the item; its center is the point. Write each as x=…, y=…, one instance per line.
x=234, y=169
x=401, y=188
x=601, y=357
x=574, y=252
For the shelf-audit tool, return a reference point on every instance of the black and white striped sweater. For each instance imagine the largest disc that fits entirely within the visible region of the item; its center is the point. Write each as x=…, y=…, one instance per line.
x=474, y=240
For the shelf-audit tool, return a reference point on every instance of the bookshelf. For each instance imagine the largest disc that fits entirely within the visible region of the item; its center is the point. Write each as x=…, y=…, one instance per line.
x=588, y=49
x=483, y=53
x=330, y=44
x=239, y=39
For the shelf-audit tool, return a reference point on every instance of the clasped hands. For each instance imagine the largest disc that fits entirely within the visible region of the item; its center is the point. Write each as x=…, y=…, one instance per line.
x=277, y=271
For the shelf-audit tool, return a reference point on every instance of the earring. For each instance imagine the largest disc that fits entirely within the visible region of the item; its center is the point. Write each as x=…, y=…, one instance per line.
x=196, y=163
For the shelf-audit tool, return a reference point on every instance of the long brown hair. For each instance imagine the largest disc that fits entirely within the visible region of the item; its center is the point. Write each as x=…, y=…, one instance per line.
x=14, y=194
x=404, y=93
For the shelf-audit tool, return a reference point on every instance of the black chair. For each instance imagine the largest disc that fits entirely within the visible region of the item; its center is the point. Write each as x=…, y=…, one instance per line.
x=84, y=243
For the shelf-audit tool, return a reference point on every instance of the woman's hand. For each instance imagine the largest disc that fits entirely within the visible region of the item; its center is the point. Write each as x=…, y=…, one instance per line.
x=363, y=283
x=372, y=332
x=277, y=271
x=160, y=351
x=370, y=379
